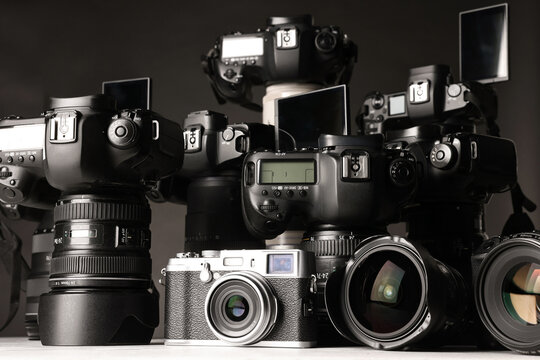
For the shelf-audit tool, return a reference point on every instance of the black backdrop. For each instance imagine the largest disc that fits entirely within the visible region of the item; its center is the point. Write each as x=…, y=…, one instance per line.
x=67, y=48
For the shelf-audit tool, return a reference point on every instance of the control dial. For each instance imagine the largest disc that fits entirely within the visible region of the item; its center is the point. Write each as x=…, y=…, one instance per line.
x=402, y=172
x=442, y=156
x=122, y=133
x=377, y=101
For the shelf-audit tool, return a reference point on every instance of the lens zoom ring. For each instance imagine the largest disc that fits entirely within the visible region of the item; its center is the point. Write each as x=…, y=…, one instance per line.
x=102, y=211
x=100, y=265
x=332, y=247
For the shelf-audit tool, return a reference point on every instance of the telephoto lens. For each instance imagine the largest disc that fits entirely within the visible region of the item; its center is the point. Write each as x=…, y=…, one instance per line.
x=393, y=294
x=102, y=290
x=507, y=290
x=38, y=280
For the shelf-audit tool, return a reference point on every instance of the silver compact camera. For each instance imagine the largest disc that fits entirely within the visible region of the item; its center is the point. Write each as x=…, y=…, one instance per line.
x=241, y=297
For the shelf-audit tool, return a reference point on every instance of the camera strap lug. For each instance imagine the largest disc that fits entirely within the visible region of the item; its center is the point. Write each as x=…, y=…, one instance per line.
x=163, y=277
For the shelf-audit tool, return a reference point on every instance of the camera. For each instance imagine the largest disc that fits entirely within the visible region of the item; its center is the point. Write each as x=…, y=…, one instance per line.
x=241, y=297
x=289, y=50
x=342, y=173
x=103, y=161
x=22, y=177
x=362, y=186
x=506, y=271
x=209, y=180
x=431, y=96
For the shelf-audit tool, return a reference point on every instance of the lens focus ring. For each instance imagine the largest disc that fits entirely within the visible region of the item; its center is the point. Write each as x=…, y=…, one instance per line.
x=101, y=211
x=100, y=265
x=332, y=247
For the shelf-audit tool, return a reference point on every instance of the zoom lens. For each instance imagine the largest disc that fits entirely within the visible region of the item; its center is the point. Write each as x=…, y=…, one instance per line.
x=38, y=280
x=214, y=215
x=100, y=273
x=241, y=308
x=393, y=294
x=508, y=292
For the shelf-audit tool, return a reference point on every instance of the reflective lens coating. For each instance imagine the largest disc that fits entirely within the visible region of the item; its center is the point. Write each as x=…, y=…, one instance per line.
x=385, y=292
x=521, y=293
x=237, y=308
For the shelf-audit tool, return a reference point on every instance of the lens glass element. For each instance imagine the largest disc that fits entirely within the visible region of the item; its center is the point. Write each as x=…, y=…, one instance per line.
x=521, y=293
x=385, y=292
x=237, y=308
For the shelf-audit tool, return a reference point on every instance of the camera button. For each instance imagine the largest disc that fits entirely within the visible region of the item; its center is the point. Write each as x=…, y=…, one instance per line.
x=290, y=193
x=303, y=193
x=9, y=159
x=32, y=158
x=12, y=182
x=277, y=193
x=264, y=192
x=228, y=134
x=20, y=158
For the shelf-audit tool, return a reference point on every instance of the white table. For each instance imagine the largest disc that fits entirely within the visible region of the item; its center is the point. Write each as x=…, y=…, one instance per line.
x=21, y=348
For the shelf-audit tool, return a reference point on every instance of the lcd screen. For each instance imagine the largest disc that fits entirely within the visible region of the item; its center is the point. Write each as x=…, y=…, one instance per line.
x=129, y=94
x=280, y=264
x=304, y=117
x=484, y=44
x=287, y=172
x=241, y=46
x=22, y=137
x=396, y=105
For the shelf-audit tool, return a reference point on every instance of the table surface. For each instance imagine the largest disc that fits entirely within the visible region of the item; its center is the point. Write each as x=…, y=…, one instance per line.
x=21, y=348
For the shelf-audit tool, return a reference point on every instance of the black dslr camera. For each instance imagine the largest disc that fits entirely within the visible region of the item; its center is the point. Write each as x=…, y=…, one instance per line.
x=348, y=189
x=507, y=289
x=209, y=180
x=103, y=161
x=459, y=170
x=289, y=49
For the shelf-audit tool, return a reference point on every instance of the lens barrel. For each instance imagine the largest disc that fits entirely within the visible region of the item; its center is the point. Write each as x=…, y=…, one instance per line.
x=393, y=294
x=507, y=292
x=241, y=308
x=214, y=215
x=102, y=290
x=38, y=280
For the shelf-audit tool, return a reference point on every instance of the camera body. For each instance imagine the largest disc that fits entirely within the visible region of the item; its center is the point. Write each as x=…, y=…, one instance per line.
x=469, y=167
x=289, y=49
x=22, y=178
x=241, y=297
x=89, y=144
x=431, y=95
x=349, y=182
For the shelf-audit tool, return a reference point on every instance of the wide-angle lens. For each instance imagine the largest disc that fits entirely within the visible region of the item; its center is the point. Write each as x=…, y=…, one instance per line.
x=385, y=292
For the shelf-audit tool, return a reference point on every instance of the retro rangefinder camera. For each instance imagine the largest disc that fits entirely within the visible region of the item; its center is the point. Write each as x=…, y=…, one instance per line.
x=349, y=182
x=241, y=297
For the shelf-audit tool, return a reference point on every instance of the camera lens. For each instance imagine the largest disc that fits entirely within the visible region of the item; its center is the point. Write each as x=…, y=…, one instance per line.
x=100, y=272
x=385, y=293
x=392, y=293
x=38, y=280
x=214, y=215
x=241, y=308
x=508, y=292
x=237, y=308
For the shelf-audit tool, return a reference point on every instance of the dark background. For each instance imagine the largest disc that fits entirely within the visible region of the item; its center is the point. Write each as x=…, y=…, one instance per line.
x=67, y=48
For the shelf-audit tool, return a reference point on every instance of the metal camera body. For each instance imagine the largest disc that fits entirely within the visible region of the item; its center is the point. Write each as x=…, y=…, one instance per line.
x=352, y=183
x=288, y=50
x=209, y=180
x=431, y=94
x=278, y=286
x=506, y=297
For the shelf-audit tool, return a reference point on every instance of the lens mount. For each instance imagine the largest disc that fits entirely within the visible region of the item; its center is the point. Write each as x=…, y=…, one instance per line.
x=510, y=311
x=241, y=308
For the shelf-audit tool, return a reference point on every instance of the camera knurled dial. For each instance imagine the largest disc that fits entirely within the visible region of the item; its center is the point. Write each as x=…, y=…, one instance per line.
x=442, y=156
x=123, y=133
